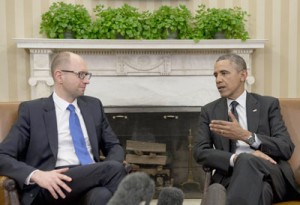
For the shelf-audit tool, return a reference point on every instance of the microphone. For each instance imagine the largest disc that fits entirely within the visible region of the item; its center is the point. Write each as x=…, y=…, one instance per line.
x=170, y=196
x=135, y=188
x=216, y=195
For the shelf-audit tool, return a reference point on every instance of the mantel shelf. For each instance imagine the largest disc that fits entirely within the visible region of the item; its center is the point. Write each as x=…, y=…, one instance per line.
x=89, y=44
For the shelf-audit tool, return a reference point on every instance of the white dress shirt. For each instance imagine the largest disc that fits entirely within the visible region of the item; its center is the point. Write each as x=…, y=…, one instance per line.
x=66, y=153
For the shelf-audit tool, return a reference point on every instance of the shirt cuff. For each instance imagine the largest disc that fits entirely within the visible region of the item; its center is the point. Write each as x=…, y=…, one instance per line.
x=27, y=181
x=231, y=161
x=257, y=142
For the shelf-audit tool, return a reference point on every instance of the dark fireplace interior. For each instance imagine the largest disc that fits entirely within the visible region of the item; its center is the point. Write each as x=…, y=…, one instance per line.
x=172, y=126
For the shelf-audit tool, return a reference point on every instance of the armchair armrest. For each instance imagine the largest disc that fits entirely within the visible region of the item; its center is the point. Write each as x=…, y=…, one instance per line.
x=9, y=192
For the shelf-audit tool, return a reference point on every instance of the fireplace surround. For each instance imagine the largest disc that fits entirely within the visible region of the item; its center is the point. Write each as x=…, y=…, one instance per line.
x=173, y=127
x=152, y=90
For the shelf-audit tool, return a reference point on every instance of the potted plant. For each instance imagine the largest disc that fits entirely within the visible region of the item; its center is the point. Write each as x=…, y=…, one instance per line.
x=168, y=22
x=62, y=18
x=123, y=22
x=230, y=21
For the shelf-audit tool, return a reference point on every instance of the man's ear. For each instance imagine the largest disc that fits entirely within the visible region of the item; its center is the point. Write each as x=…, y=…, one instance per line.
x=244, y=75
x=57, y=75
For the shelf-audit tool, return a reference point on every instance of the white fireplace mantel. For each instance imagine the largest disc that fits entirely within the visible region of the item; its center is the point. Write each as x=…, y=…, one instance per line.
x=45, y=43
x=140, y=72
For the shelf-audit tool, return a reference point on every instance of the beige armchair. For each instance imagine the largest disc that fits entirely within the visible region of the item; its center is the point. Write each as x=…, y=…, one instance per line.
x=8, y=188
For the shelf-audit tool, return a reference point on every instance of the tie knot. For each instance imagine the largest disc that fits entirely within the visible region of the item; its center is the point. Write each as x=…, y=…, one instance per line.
x=71, y=108
x=234, y=104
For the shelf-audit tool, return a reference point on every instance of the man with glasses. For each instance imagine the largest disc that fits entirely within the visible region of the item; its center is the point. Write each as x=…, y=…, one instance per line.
x=53, y=149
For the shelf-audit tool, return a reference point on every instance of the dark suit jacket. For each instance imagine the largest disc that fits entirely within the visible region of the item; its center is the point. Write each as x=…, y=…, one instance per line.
x=264, y=119
x=32, y=142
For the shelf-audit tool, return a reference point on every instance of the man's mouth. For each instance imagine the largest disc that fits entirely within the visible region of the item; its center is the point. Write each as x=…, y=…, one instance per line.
x=221, y=88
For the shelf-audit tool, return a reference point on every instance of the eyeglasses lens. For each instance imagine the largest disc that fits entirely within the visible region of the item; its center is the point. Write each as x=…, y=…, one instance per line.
x=83, y=75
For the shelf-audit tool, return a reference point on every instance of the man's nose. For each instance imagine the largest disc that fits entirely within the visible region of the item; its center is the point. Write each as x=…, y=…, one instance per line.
x=219, y=78
x=86, y=81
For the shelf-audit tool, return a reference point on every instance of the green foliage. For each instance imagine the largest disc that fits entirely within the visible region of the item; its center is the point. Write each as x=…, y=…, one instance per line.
x=231, y=21
x=124, y=22
x=62, y=17
x=166, y=21
x=127, y=22
x=150, y=29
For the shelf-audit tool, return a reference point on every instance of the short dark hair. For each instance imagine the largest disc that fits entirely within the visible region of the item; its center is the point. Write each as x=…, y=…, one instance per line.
x=234, y=58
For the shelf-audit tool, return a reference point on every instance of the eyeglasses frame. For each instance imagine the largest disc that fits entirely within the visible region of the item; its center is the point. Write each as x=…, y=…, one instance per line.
x=79, y=74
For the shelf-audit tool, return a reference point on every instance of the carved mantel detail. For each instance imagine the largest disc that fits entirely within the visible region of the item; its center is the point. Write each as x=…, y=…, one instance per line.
x=164, y=63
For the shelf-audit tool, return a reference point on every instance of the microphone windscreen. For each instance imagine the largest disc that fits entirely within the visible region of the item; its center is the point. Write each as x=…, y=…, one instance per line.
x=135, y=188
x=216, y=195
x=170, y=196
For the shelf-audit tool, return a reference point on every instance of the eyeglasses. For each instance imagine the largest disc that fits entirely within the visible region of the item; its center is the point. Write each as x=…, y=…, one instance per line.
x=81, y=74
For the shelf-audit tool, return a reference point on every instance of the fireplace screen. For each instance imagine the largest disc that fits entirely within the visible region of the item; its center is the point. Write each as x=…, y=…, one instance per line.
x=159, y=142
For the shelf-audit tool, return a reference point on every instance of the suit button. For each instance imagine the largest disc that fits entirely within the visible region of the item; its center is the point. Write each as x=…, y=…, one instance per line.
x=31, y=195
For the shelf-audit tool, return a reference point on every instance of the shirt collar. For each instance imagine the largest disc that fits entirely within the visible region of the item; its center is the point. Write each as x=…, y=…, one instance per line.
x=61, y=103
x=241, y=100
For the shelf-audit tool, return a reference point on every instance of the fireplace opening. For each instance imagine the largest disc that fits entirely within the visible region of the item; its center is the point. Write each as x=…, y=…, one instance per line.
x=172, y=127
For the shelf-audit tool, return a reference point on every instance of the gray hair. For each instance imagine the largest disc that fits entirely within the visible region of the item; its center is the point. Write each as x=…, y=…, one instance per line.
x=234, y=58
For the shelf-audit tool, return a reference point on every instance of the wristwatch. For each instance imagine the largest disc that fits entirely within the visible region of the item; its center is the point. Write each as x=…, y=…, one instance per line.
x=251, y=139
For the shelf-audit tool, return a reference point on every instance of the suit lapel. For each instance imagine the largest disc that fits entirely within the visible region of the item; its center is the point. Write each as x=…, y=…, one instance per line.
x=222, y=110
x=253, y=110
x=51, y=124
x=90, y=125
x=222, y=114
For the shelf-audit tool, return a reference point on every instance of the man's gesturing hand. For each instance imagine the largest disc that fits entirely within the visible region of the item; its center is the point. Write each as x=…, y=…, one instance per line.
x=229, y=129
x=53, y=181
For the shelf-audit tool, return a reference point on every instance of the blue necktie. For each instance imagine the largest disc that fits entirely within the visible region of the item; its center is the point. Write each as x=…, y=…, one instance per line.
x=78, y=139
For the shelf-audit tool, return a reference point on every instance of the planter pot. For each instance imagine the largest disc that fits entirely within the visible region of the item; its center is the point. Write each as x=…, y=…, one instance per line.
x=220, y=35
x=172, y=34
x=68, y=35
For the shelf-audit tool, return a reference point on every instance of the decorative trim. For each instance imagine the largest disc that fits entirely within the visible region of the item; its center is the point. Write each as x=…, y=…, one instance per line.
x=90, y=44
